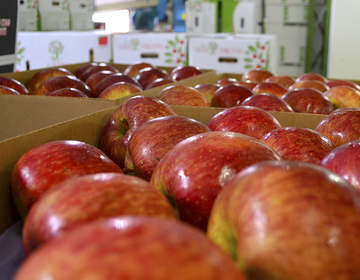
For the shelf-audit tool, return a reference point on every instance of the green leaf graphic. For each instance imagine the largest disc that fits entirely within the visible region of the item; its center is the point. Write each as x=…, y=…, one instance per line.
x=169, y=61
x=248, y=60
x=252, y=49
x=171, y=43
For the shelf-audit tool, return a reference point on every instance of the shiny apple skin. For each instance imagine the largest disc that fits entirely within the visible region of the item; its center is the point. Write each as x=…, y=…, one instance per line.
x=270, y=87
x=126, y=118
x=152, y=140
x=57, y=82
x=100, y=67
x=87, y=198
x=80, y=72
x=341, y=126
x=248, y=84
x=341, y=82
x=134, y=68
x=230, y=95
x=159, y=82
x=208, y=90
x=119, y=89
x=308, y=100
x=193, y=172
x=226, y=81
x=284, y=80
x=132, y=248
x=44, y=74
x=256, y=75
x=112, y=79
x=289, y=220
x=310, y=84
x=345, y=161
x=14, y=84
x=95, y=78
x=7, y=90
x=185, y=71
x=267, y=102
x=312, y=76
x=252, y=121
x=343, y=96
x=182, y=95
x=67, y=92
x=147, y=75
x=48, y=164
x=298, y=143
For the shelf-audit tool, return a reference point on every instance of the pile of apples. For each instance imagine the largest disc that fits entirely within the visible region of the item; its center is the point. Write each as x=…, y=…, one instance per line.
x=97, y=80
x=165, y=196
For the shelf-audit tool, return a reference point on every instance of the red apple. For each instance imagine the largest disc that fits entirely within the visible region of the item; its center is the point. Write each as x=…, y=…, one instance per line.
x=7, y=90
x=182, y=95
x=341, y=126
x=208, y=90
x=80, y=72
x=310, y=84
x=134, y=68
x=44, y=74
x=95, y=78
x=193, y=172
x=285, y=80
x=343, y=96
x=226, y=81
x=159, y=82
x=256, y=75
x=119, y=89
x=42, y=167
x=112, y=79
x=270, y=87
x=230, y=95
x=67, y=92
x=185, y=71
x=147, y=75
x=88, y=198
x=100, y=67
x=57, y=82
x=341, y=82
x=298, y=143
x=132, y=248
x=267, y=102
x=152, y=140
x=312, y=76
x=289, y=220
x=248, y=120
x=308, y=100
x=14, y=84
x=248, y=84
x=129, y=115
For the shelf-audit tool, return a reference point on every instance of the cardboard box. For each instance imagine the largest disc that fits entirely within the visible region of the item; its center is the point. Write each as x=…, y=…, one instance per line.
x=287, y=13
x=54, y=15
x=81, y=14
x=29, y=18
x=244, y=16
x=62, y=48
x=202, y=17
x=160, y=49
x=234, y=53
x=8, y=35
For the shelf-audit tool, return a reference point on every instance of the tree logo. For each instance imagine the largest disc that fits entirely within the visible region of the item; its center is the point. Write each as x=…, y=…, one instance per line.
x=257, y=57
x=176, y=51
x=56, y=48
x=134, y=43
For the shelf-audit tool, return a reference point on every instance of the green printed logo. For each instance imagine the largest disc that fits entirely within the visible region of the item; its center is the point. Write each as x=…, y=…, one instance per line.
x=56, y=48
x=176, y=51
x=20, y=53
x=134, y=43
x=257, y=56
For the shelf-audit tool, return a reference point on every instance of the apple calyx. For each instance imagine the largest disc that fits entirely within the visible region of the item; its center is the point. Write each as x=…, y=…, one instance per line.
x=122, y=127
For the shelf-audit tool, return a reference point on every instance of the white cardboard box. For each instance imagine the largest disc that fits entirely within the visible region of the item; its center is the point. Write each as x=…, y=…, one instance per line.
x=8, y=35
x=54, y=15
x=287, y=13
x=81, y=14
x=29, y=15
x=234, y=53
x=159, y=49
x=62, y=47
x=201, y=17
